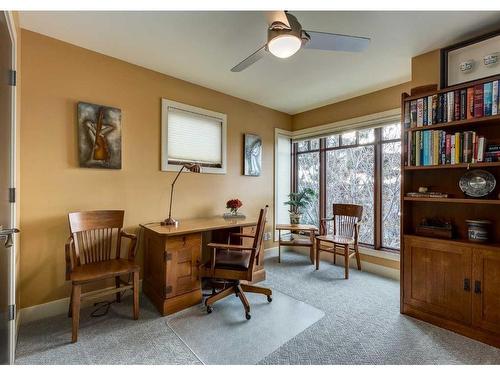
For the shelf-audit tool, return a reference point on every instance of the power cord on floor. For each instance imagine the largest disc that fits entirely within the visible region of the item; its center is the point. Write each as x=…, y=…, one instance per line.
x=103, y=306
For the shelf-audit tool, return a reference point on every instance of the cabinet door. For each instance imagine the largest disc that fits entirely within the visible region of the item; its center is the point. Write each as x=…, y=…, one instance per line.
x=486, y=287
x=436, y=274
x=183, y=259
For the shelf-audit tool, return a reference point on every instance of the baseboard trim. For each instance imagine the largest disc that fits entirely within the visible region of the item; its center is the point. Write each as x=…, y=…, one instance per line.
x=50, y=309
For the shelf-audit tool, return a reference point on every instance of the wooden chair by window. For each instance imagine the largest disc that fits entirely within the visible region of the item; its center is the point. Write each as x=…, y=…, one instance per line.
x=93, y=254
x=229, y=264
x=344, y=239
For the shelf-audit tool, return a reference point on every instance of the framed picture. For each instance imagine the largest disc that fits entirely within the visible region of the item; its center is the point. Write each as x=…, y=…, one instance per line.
x=252, y=155
x=471, y=60
x=99, y=136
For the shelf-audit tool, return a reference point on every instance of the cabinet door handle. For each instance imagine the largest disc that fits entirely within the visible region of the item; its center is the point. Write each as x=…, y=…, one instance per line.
x=467, y=285
x=477, y=287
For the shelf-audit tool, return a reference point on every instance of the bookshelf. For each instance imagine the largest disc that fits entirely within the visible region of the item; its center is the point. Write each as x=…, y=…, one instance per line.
x=451, y=282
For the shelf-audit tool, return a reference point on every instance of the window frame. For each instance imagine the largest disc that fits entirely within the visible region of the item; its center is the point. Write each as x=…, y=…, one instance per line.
x=378, y=173
x=167, y=166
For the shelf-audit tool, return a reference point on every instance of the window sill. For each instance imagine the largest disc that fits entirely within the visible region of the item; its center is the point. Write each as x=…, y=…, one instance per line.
x=390, y=255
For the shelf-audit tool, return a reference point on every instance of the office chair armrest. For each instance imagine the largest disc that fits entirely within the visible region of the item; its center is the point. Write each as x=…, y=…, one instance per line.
x=69, y=259
x=132, y=245
x=225, y=246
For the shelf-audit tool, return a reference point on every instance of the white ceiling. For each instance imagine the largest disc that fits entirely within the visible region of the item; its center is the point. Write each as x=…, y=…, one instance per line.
x=202, y=47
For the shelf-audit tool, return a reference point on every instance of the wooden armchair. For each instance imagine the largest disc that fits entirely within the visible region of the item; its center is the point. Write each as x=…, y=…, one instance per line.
x=344, y=239
x=93, y=253
x=229, y=264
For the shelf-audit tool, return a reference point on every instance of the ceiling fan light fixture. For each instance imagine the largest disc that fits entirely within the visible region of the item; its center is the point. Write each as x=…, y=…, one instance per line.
x=284, y=46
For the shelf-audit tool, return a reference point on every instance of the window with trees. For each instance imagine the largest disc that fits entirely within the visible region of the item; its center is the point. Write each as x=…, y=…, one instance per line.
x=361, y=167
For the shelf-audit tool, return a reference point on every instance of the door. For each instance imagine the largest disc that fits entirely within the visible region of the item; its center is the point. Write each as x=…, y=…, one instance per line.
x=486, y=287
x=437, y=278
x=7, y=213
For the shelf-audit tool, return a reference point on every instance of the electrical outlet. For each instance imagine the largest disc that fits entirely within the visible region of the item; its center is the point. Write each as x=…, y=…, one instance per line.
x=267, y=236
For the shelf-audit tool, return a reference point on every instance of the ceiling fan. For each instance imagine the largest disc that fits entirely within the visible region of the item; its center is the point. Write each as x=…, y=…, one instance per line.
x=285, y=37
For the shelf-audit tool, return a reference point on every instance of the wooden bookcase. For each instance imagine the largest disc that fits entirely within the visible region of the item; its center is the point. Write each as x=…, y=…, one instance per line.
x=452, y=283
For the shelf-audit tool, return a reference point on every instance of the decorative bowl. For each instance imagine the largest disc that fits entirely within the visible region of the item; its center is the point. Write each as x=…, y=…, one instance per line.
x=477, y=183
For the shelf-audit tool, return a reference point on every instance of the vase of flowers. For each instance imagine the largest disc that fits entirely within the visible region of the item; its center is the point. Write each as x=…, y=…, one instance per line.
x=233, y=205
x=297, y=201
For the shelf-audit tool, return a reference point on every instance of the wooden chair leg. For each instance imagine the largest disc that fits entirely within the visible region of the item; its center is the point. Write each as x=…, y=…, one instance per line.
x=136, y=295
x=219, y=295
x=346, y=256
x=279, y=253
x=117, y=284
x=70, y=303
x=358, y=258
x=317, y=254
x=334, y=254
x=243, y=299
x=75, y=307
x=256, y=289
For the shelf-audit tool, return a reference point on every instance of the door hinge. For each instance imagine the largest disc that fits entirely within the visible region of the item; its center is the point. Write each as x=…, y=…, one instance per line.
x=12, y=195
x=167, y=289
x=12, y=77
x=168, y=256
x=12, y=312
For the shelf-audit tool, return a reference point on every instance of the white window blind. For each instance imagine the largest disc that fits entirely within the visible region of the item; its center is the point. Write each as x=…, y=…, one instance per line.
x=194, y=137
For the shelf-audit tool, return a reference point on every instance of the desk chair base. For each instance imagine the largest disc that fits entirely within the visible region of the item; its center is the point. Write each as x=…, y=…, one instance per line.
x=238, y=289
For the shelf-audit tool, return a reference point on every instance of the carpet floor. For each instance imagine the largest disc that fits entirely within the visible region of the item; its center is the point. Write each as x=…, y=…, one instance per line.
x=362, y=325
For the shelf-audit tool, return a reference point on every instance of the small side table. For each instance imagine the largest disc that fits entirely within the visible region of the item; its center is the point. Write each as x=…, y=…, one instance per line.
x=294, y=241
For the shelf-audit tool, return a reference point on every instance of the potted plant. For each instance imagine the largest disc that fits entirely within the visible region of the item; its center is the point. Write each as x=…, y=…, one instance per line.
x=297, y=201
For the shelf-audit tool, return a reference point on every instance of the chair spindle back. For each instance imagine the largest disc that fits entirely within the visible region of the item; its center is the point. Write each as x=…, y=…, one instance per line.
x=96, y=235
x=345, y=218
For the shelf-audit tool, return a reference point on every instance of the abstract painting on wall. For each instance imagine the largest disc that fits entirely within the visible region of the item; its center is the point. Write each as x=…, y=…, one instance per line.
x=253, y=155
x=99, y=136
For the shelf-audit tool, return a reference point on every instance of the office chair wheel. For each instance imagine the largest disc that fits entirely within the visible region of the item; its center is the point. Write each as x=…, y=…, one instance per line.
x=248, y=316
x=269, y=299
x=209, y=309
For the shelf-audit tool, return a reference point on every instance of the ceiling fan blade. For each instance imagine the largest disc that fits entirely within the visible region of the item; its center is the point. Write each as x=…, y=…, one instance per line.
x=277, y=16
x=256, y=56
x=336, y=42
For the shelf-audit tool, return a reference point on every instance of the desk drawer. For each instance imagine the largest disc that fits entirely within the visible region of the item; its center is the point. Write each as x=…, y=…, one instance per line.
x=182, y=261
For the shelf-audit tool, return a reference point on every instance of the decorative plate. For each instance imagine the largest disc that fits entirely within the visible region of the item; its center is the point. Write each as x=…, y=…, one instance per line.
x=477, y=183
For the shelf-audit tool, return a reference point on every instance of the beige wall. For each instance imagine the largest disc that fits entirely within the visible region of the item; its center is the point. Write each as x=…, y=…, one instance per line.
x=56, y=76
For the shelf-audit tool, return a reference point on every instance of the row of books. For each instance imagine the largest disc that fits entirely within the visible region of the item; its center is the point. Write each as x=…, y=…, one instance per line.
x=436, y=147
x=475, y=101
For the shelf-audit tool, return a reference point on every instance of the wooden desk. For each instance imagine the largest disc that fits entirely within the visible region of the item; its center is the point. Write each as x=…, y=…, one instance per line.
x=292, y=240
x=174, y=254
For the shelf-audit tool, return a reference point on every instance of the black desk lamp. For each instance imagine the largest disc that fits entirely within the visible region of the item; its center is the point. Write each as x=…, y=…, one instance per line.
x=192, y=167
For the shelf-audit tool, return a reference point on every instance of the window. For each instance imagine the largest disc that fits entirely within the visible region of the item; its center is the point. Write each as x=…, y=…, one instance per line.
x=361, y=167
x=192, y=135
x=308, y=176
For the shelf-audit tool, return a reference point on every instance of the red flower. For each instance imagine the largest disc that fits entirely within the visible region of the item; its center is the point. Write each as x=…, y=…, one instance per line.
x=234, y=204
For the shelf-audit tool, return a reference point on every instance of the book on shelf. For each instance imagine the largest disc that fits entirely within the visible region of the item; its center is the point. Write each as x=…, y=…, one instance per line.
x=437, y=147
x=429, y=194
x=480, y=100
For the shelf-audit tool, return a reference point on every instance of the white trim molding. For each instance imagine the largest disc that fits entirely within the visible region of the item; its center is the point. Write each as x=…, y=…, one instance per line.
x=165, y=104
x=361, y=122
